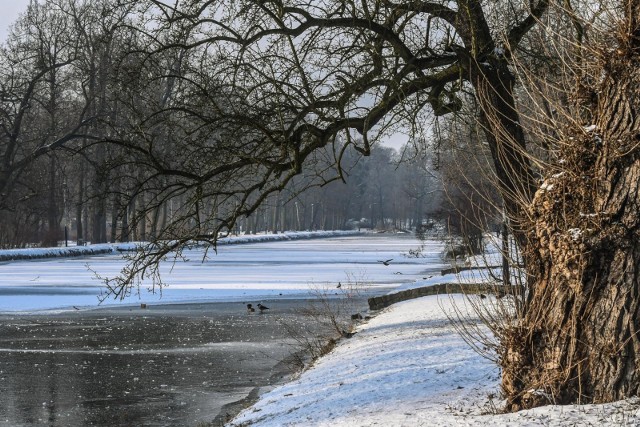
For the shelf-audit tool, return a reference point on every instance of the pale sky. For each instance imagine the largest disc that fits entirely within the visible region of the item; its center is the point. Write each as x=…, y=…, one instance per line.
x=9, y=11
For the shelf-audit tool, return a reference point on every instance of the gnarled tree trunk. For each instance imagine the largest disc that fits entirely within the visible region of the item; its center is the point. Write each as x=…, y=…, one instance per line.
x=579, y=339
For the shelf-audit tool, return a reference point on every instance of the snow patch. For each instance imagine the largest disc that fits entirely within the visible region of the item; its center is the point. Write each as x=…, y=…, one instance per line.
x=546, y=186
x=408, y=366
x=575, y=234
x=286, y=268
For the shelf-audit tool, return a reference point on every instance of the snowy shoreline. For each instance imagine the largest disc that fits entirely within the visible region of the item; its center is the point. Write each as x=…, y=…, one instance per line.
x=408, y=366
x=109, y=248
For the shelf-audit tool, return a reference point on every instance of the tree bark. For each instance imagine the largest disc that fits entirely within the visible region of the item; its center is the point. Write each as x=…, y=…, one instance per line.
x=500, y=121
x=53, y=217
x=80, y=203
x=116, y=212
x=578, y=340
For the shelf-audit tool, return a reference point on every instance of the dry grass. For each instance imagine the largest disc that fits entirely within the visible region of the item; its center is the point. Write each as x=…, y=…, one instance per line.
x=332, y=313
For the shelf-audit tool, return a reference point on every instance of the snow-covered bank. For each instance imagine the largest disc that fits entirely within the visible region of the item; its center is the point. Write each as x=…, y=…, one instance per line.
x=287, y=235
x=108, y=248
x=409, y=367
x=64, y=252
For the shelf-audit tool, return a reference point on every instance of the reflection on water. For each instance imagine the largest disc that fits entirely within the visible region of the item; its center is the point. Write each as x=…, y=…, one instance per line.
x=133, y=369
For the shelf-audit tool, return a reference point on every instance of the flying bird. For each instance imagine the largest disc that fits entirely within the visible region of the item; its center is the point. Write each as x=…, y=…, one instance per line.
x=387, y=262
x=262, y=307
x=250, y=308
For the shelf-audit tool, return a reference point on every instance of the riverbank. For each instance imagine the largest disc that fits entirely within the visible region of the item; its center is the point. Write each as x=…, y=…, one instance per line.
x=409, y=367
x=85, y=250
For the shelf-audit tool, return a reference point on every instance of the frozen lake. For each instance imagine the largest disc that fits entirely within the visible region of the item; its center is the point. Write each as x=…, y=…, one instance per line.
x=193, y=350
x=259, y=270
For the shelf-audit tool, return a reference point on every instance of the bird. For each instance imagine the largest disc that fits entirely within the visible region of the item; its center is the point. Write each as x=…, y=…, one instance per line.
x=250, y=308
x=347, y=334
x=482, y=296
x=339, y=285
x=262, y=308
x=387, y=262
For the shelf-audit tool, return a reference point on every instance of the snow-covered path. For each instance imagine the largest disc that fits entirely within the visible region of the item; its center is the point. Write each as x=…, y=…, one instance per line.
x=400, y=368
x=409, y=367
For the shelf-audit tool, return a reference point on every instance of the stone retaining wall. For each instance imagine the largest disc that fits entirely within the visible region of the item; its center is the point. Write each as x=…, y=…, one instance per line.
x=378, y=303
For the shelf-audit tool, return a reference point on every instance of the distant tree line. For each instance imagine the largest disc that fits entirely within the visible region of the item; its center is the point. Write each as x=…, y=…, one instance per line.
x=70, y=79
x=102, y=141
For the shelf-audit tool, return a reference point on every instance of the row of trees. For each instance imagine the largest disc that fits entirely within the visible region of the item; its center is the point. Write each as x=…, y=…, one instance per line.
x=71, y=78
x=77, y=73
x=381, y=191
x=58, y=91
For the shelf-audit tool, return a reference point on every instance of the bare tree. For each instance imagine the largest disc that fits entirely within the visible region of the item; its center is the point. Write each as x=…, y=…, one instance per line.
x=279, y=81
x=471, y=205
x=579, y=328
x=38, y=117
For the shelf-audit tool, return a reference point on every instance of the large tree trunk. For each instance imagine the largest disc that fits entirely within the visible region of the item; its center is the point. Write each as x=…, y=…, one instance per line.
x=500, y=121
x=116, y=212
x=80, y=202
x=53, y=217
x=578, y=340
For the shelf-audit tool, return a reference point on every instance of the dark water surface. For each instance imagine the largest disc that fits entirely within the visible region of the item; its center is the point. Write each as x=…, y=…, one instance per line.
x=160, y=366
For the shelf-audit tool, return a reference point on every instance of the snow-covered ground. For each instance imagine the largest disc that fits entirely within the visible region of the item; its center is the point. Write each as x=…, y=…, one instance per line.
x=409, y=367
x=405, y=367
x=268, y=269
